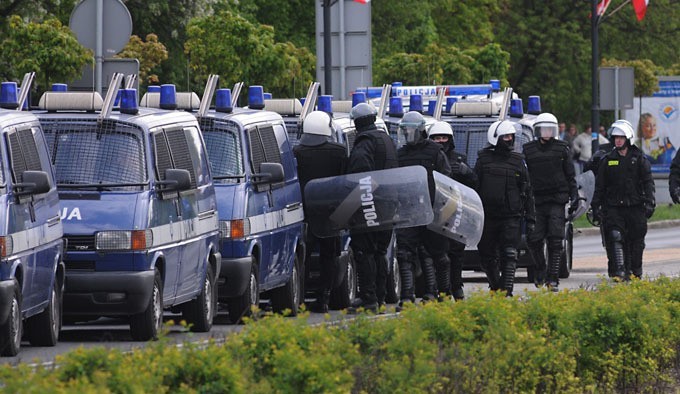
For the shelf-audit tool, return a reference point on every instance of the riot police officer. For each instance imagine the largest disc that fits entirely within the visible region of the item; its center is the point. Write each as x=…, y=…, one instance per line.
x=319, y=157
x=373, y=150
x=505, y=191
x=442, y=133
x=551, y=172
x=624, y=196
x=419, y=150
x=674, y=179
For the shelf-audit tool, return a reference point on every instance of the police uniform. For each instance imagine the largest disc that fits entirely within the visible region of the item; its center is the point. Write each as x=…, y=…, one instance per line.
x=373, y=150
x=624, y=196
x=504, y=188
x=436, y=271
x=553, y=184
x=319, y=161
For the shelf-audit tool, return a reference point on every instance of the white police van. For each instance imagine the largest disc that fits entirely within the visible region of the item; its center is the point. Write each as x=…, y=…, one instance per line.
x=138, y=206
x=259, y=202
x=31, y=246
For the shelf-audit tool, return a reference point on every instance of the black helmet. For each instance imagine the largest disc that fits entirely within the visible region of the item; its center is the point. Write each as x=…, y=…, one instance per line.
x=363, y=115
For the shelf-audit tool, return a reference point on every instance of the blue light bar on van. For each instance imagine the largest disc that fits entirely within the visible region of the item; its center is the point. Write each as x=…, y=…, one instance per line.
x=449, y=103
x=325, y=103
x=370, y=92
x=267, y=96
x=516, y=108
x=168, y=99
x=415, y=103
x=59, y=87
x=396, y=107
x=128, y=101
x=223, y=100
x=395, y=85
x=255, y=97
x=8, y=95
x=358, y=98
x=495, y=85
x=430, y=107
x=534, y=107
x=153, y=89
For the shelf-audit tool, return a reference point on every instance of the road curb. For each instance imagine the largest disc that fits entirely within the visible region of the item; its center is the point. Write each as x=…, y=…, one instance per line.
x=578, y=232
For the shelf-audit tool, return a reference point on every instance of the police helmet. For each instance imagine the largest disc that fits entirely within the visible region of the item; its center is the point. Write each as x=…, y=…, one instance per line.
x=441, y=128
x=622, y=127
x=499, y=128
x=363, y=115
x=545, y=126
x=412, y=127
x=316, y=129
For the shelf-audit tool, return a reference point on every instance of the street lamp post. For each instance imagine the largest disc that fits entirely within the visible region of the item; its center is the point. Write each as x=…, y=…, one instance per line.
x=595, y=114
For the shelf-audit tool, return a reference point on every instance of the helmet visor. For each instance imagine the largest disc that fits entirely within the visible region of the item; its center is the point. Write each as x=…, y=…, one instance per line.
x=545, y=131
x=409, y=132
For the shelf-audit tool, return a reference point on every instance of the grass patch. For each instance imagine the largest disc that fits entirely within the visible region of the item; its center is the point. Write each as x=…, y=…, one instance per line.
x=662, y=212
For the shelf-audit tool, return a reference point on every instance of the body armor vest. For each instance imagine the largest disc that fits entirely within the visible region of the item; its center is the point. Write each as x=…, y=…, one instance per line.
x=423, y=154
x=385, y=152
x=499, y=182
x=546, y=169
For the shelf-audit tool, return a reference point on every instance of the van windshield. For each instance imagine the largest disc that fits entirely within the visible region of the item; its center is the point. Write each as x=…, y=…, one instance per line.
x=110, y=155
x=223, y=142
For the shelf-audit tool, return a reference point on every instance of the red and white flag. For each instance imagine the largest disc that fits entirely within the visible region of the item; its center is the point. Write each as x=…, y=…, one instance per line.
x=363, y=1
x=602, y=7
x=640, y=8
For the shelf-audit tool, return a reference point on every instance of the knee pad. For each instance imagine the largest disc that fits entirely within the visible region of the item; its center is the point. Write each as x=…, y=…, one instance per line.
x=554, y=244
x=616, y=236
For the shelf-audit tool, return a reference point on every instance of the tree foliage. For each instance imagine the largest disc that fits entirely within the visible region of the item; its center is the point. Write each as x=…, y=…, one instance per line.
x=238, y=50
x=150, y=54
x=50, y=49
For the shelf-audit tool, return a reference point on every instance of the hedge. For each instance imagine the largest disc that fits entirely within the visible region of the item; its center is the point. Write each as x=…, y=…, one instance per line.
x=612, y=338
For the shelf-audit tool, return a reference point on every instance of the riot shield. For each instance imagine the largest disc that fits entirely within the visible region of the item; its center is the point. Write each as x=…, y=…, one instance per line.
x=368, y=201
x=458, y=211
x=586, y=188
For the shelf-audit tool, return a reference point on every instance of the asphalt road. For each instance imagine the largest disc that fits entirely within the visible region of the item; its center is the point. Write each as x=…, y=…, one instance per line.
x=662, y=257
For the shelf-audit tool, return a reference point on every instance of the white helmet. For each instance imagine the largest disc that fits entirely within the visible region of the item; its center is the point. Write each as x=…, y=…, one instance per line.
x=545, y=126
x=499, y=128
x=440, y=128
x=624, y=128
x=318, y=123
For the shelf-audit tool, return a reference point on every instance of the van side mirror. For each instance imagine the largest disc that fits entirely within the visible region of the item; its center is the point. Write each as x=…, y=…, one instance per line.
x=176, y=179
x=35, y=182
x=269, y=173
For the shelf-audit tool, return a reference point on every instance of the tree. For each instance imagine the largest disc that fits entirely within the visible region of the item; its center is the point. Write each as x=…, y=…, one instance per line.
x=150, y=54
x=238, y=50
x=50, y=49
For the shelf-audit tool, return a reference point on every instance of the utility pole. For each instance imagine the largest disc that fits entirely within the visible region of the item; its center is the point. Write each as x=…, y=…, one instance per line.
x=595, y=114
x=327, y=58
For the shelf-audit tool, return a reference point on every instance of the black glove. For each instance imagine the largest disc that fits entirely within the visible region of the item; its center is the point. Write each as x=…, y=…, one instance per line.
x=649, y=210
x=573, y=206
x=597, y=213
x=675, y=195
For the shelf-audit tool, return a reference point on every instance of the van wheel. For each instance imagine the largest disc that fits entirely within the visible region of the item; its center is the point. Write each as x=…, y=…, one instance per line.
x=43, y=328
x=567, y=253
x=343, y=295
x=10, y=332
x=200, y=312
x=147, y=325
x=289, y=295
x=242, y=306
x=393, y=283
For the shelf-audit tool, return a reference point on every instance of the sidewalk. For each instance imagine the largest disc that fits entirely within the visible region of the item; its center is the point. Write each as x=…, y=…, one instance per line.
x=578, y=232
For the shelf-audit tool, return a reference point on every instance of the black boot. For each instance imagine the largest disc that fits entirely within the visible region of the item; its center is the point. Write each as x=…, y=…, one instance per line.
x=430, y=276
x=618, y=255
x=366, y=273
x=636, y=250
x=457, y=251
x=406, y=263
x=381, y=265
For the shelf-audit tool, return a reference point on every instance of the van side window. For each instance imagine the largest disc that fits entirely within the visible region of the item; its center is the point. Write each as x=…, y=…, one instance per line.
x=174, y=150
x=23, y=153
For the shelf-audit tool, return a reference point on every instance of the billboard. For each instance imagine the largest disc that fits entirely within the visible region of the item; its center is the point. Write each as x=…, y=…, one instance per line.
x=656, y=121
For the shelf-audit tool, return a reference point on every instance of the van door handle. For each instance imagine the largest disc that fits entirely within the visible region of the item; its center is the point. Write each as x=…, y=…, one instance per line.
x=206, y=214
x=293, y=206
x=53, y=221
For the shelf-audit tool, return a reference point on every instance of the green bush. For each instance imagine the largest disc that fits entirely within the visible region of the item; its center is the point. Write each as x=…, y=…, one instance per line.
x=615, y=338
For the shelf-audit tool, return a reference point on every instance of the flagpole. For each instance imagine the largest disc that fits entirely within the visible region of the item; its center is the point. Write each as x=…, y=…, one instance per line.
x=595, y=115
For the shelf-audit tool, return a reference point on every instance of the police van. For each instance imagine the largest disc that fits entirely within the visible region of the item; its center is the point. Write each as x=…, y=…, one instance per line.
x=138, y=206
x=31, y=246
x=294, y=112
x=259, y=202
